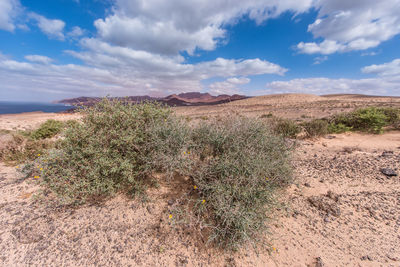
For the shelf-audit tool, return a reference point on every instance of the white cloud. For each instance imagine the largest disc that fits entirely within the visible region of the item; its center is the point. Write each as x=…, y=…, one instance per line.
x=39, y=59
x=53, y=28
x=352, y=25
x=387, y=82
x=138, y=45
x=76, y=32
x=9, y=10
x=168, y=27
x=319, y=86
x=319, y=60
x=123, y=71
x=387, y=69
x=372, y=53
x=229, y=86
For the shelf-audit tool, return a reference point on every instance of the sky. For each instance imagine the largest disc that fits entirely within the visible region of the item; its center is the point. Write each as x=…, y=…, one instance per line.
x=56, y=49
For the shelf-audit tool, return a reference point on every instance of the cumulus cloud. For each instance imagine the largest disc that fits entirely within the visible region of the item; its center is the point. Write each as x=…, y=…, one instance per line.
x=320, y=86
x=53, y=28
x=138, y=47
x=229, y=86
x=387, y=69
x=39, y=59
x=9, y=10
x=168, y=27
x=387, y=82
x=352, y=25
x=123, y=71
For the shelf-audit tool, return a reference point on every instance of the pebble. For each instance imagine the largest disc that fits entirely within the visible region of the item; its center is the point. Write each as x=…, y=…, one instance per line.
x=366, y=257
x=388, y=172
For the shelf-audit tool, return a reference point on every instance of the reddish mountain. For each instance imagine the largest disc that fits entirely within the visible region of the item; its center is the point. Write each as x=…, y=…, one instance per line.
x=183, y=99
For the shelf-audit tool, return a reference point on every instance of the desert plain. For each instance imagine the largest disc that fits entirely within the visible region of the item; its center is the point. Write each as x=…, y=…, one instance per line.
x=341, y=209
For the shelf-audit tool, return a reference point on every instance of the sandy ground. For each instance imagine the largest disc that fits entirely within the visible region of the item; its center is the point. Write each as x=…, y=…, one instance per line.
x=293, y=106
x=342, y=211
x=30, y=120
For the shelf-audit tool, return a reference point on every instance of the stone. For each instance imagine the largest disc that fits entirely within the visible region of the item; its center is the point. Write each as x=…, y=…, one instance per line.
x=388, y=172
x=319, y=262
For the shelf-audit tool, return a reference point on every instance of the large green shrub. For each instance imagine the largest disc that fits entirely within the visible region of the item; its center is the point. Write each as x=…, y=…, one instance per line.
x=369, y=119
x=241, y=166
x=115, y=148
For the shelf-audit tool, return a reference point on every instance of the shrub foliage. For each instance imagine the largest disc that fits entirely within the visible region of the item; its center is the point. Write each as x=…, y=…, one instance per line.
x=115, y=148
x=371, y=119
x=241, y=165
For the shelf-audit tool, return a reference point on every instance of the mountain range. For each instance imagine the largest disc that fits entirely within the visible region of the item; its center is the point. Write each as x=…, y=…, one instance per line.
x=183, y=99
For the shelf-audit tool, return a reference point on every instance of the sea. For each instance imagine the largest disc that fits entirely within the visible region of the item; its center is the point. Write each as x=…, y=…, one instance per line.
x=7, y=107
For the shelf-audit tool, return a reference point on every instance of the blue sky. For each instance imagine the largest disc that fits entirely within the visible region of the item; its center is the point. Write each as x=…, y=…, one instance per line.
x=58, y=49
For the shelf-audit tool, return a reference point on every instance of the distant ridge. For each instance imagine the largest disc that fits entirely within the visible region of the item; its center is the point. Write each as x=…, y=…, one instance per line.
x=183, y=99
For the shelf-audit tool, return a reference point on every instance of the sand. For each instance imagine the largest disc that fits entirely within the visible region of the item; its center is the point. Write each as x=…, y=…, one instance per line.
x=342, y=211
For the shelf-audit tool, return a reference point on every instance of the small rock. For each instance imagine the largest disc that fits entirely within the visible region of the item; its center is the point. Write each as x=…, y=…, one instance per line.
x=319, y=262
x=388, y=172
x=307, y=185
x=366, y=257
x=149, y=209
x=171, y=202
x=119, y=249
x=330, y=137
x=326, y=219
x=393, y=257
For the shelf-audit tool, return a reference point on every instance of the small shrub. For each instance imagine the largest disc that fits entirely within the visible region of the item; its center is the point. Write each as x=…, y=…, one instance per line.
x=268, y=115
x=242, y=164
x=285, y=127
x=316, y=128
x=48, y=129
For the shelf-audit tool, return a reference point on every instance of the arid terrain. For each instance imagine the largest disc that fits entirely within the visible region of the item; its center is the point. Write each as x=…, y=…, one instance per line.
x=340, y=211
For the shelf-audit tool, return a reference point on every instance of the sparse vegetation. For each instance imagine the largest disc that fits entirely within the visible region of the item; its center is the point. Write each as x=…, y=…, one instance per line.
x=22, y=146
x=237, y=165
x=20, y=149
